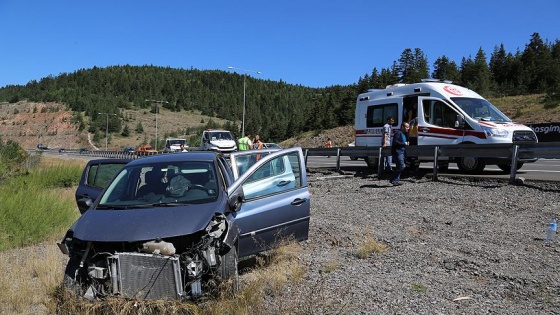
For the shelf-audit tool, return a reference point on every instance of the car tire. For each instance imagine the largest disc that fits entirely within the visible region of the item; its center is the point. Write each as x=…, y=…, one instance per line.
x=507, y=167
x=228, y=270
x=74, y=279
x=471, y=165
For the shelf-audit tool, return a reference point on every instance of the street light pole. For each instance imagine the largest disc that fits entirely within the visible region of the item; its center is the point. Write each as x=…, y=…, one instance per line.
x=244, y=94
x=157, y=109
x=106, y=127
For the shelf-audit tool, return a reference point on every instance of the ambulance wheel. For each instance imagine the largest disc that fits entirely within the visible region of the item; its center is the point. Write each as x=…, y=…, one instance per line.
x=443, y=166
x=471, y=165
x=371, y=162
x=507, y=167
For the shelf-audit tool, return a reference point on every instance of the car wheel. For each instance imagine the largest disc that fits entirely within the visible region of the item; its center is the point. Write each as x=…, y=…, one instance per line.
x=228, y=270
x=507, y=167
x=353, y=158
x=471, y=165
x=74, y=279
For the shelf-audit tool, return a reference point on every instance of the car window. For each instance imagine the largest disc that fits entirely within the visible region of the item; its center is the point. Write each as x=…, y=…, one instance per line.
x=277, y=175
x=100, y=175
x=163, y=183
x=249, y=159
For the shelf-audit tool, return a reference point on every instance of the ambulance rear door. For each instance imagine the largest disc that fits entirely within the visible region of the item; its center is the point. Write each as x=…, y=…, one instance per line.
x=371, y=116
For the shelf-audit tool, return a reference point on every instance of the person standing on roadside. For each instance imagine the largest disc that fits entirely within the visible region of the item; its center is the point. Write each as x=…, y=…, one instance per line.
x=245, y=143
x=328, y=145
x=398, y=146
x=258, y=145
x=386, y=142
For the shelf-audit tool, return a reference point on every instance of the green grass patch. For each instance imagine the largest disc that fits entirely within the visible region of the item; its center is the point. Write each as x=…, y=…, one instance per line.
x=37, y=205
x=417, y=287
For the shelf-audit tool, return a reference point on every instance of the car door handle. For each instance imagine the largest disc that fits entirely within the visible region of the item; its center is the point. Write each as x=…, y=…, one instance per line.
x=298, y=201
x=425, y=129
x=283, y=183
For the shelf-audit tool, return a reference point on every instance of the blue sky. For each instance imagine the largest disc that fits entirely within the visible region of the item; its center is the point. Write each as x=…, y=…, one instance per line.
x=308, y=42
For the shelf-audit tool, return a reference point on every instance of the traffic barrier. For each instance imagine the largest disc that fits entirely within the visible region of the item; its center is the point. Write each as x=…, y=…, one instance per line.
x=549, y=150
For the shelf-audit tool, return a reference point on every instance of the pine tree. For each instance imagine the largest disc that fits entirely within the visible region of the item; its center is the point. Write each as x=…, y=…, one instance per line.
x=445, y=69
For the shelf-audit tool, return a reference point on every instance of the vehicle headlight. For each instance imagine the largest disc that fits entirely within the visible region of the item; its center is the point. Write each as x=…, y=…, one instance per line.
x=495, y=132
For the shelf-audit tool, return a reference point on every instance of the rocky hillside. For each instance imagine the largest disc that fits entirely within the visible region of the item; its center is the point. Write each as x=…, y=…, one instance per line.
x=34, y=123
x=51, y=124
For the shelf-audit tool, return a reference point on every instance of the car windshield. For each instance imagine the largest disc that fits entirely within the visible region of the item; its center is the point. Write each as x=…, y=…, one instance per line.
x=480, y=109
x=221, y=135
x=161, y=184
x=176, y=142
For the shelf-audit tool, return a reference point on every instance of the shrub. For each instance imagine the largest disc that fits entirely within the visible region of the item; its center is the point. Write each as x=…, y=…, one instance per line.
x=13, y=159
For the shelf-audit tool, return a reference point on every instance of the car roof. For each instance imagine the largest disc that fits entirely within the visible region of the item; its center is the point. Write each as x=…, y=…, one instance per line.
x=183, y=156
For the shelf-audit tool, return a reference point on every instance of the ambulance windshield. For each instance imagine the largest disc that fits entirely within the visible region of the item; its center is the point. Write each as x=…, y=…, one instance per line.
x=481, y=109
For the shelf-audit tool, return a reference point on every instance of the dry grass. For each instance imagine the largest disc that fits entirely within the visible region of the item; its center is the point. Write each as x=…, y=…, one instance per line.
x=273, y=271
x=527, y=109
x=28, y=279
x=30, y=283
x=370, y=246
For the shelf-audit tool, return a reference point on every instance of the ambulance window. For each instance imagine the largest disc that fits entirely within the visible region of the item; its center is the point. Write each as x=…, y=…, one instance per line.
x=438, y=113
x=377, y=115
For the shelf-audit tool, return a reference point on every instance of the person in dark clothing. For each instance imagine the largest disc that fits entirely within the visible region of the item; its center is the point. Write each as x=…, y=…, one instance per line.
x=397, y=150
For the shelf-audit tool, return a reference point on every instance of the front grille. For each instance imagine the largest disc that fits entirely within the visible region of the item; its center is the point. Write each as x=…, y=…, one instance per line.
x=524, y=136
x=147, y=276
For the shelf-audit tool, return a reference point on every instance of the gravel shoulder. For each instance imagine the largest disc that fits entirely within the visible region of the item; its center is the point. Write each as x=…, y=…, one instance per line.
x=457, y=246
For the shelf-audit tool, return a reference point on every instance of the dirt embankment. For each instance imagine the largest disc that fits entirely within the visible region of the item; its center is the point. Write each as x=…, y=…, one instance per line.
x=32, y=123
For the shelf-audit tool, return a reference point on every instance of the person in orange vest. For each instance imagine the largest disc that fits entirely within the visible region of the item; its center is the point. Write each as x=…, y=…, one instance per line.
x=328, y=145
x=257, y=145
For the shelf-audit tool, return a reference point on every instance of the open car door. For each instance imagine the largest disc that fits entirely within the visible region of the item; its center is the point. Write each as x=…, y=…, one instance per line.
x=275, y=204
x=95, y=177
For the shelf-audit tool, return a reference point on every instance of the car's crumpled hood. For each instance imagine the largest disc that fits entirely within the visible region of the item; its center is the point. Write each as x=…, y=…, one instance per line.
x=142, y=224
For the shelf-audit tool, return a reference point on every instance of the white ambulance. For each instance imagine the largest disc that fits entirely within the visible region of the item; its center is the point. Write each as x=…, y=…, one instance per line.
x=445, y=113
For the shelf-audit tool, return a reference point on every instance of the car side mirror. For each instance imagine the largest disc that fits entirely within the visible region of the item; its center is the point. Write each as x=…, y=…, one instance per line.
x=235, y=200
x=84, y=204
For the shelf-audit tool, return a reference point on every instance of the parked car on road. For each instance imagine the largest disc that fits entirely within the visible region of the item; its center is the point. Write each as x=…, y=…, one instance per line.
x=84, y=151
x=145, y=148
x=270, y=145
x=129, y=150
x=168, y=226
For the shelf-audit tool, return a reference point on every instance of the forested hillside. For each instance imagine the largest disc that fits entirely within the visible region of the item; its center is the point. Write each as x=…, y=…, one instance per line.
x=274, y=109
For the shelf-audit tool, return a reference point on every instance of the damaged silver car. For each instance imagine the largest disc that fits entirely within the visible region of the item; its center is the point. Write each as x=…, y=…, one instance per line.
x=172, y=226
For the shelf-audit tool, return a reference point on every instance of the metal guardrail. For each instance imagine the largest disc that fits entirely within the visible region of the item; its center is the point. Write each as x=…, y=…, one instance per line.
x=550, y=150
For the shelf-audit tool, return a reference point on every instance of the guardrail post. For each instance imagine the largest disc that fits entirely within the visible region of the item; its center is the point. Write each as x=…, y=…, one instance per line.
x=436, y=153
x=513, y=171
x=305, y=156
x=338, y=160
